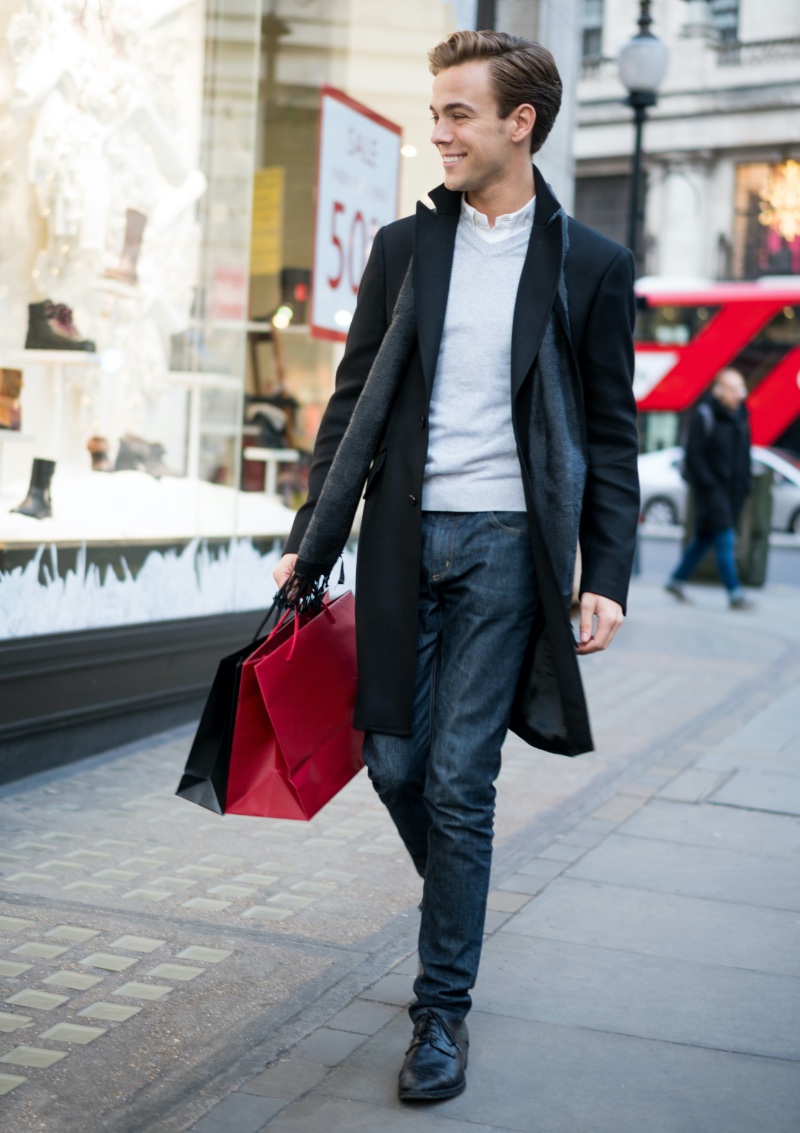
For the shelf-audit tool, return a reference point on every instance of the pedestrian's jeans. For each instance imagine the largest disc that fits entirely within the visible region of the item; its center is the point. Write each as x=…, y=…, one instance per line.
x=476, y=604
x=723, y=544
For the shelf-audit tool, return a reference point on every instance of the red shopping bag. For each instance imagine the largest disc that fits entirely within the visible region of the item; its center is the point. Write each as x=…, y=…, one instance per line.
x=294, y=746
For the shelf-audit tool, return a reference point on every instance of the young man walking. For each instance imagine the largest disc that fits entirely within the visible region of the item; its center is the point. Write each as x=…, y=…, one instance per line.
x=499, y=423
x=717, y=464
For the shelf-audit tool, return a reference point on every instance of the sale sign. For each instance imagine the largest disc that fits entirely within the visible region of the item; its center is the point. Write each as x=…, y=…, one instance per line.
x=357, y=186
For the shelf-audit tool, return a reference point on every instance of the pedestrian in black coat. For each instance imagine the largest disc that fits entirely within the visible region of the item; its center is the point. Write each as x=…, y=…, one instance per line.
x=462, y=613
x=717, y=468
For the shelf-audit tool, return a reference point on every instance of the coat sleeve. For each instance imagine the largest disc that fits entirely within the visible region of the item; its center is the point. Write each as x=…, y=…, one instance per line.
x=611, y=501
x=364, y=338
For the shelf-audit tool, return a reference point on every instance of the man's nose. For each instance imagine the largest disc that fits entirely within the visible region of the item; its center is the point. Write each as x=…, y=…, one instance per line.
x=441, y=135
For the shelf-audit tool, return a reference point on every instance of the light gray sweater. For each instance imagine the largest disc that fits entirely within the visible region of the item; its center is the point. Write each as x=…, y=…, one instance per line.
x=472, y=460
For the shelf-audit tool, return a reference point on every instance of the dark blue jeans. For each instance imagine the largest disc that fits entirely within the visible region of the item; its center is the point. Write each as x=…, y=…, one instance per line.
x=723, y=544
x=476, y=604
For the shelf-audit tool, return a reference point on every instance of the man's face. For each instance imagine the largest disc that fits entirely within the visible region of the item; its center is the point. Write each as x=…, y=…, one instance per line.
x=475, y=143
x=730, y=389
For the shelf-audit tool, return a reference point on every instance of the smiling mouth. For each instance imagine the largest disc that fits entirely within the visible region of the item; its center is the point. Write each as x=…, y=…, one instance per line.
x=452, y=158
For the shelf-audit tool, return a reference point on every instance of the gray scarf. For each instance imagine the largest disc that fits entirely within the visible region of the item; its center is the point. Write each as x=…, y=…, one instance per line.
x=556, y=458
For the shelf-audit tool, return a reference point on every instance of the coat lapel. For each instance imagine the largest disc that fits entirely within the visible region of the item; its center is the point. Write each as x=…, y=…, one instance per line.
x=435, y=239
x=538, y=285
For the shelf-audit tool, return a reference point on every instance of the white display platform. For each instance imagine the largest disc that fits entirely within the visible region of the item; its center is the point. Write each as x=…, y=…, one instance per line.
x=271, y=458
x=125, y=507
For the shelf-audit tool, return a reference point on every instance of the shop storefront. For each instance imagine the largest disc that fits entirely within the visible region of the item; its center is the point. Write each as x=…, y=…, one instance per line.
x=165, y=356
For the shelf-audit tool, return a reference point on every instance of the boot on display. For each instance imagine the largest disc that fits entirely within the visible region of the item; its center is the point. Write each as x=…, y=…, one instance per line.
x=98, y=450
x=50, y=327
x=37, y=504
x=138, y=455
x=125, y=271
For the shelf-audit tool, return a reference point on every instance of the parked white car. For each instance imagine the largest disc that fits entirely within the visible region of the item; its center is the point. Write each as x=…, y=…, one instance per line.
x=664, y=489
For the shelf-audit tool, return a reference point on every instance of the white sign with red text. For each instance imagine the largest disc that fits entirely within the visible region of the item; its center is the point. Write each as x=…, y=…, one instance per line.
x=357, y=189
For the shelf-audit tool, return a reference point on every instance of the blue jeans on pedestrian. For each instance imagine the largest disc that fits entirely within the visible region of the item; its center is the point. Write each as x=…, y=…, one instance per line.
x=476, y=603
x=723, y=544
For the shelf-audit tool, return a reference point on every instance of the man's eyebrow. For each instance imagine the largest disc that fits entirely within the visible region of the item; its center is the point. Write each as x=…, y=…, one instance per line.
x=455, y=106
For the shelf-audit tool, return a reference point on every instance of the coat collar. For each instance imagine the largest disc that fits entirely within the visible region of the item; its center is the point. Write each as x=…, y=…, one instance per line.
x=433, y=261
x=448, y=202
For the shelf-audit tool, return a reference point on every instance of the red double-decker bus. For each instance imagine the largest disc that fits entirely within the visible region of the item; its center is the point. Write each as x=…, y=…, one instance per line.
x=686, y=331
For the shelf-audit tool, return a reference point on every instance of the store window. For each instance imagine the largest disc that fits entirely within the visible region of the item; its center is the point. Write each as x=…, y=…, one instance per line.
x=767, y=220
x=602, y=203
x=126, y=185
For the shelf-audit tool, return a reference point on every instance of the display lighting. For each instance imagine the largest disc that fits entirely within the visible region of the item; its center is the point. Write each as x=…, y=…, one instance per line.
x=282, y=317
x=111, y=360
x=780, y=201
x=408, y=151
x=343, y=318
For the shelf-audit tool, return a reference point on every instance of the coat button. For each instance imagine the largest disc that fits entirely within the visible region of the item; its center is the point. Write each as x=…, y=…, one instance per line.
x=413, y=500
x=423, y=421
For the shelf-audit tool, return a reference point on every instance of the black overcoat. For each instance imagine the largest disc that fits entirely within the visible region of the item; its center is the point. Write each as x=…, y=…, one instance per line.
x=549, y=710
x=718, y=465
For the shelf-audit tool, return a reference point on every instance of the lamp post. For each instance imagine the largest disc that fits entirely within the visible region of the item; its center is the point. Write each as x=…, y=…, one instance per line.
x=642, y=65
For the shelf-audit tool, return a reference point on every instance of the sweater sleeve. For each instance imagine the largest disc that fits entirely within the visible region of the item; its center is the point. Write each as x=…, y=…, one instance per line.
x=364, y=338
x=611, y=500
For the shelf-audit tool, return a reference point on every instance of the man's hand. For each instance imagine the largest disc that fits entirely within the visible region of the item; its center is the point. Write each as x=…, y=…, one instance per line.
x=609, y=618
x=284, y=570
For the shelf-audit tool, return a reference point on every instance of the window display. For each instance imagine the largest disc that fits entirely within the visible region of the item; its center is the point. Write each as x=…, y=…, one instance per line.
x=767, y=221
x=126, y=171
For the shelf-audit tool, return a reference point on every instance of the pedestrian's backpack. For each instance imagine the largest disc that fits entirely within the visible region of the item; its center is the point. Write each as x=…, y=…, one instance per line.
x=707, y=415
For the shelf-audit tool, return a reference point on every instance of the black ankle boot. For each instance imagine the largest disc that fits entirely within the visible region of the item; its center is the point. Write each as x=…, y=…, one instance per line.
x=50, y=327
x=37, y=504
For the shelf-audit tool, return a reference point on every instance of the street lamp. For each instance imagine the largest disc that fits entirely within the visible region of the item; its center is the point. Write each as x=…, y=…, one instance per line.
x=642, y=65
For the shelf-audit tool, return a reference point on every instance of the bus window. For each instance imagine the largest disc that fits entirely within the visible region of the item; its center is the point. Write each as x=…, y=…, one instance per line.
x=670, y=326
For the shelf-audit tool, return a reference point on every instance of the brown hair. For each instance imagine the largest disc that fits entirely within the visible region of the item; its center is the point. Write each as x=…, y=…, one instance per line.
x=522, y=71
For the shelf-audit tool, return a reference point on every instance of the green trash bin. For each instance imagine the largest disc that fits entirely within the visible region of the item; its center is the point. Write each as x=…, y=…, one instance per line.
x=752, y=534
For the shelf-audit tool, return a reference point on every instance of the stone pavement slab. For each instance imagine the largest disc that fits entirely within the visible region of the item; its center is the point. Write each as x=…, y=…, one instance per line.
x=664, y=924
x=741, y=831
x=678, y=1001
x=776, y=791
x=696, y=871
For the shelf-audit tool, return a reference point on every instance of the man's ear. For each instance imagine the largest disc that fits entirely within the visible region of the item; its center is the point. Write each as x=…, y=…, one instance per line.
x=524, y=120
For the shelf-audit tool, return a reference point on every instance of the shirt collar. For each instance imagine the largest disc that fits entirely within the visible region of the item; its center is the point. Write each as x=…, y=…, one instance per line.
x=509, y=222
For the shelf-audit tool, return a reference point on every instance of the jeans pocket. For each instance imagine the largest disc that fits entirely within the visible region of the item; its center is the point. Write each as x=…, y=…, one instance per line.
x=514, y=522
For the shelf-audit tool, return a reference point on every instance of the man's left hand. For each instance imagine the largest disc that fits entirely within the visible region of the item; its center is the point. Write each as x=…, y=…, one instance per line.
x=608, y=617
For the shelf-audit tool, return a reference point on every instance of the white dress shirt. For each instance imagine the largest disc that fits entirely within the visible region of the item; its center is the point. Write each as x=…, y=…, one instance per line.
x=504, y=226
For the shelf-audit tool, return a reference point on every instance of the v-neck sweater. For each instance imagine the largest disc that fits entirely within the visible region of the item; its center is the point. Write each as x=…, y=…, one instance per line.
x=472, y=462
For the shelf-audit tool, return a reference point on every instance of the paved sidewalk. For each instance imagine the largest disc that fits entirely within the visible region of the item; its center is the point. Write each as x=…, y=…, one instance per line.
x=642, y=961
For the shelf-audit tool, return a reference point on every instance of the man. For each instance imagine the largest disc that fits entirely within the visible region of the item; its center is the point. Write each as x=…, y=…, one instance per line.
x=511, y=432
x=717, y=467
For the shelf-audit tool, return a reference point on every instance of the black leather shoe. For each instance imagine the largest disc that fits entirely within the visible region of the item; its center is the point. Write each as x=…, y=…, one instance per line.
x=436, y=1060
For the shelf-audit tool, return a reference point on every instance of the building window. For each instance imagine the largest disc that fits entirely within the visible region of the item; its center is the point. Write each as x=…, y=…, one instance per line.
x=766, y=239
x=602, y=203
x=592, y=29
x=725, y=19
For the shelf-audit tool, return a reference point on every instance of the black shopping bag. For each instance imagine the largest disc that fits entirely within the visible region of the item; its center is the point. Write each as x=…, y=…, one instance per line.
x=205, y=777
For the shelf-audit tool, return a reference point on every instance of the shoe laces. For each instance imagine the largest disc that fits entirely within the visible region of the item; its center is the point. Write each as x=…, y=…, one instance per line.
x=431, y=1028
